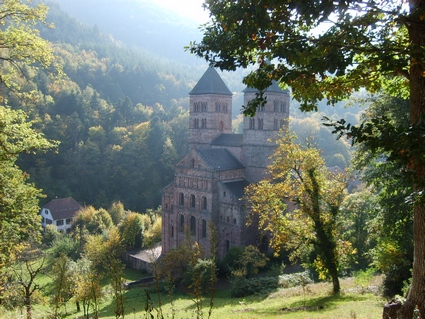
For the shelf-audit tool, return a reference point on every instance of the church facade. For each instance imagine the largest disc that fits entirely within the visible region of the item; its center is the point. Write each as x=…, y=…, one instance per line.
x=209, y=181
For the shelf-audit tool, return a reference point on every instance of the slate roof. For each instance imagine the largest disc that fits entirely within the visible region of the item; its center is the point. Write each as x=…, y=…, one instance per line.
x=272, y=88
x=227, y=139
x=210, y=83
x=62, y=208
x=220, y=159
x=237, y=187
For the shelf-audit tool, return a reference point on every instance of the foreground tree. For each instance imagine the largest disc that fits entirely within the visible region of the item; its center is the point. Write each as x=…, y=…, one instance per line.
x=328, y=50
x=19, y=218
x=20, y=46
x=29, y=266
x=301, y=180
x=393, y=188
x=20, y=41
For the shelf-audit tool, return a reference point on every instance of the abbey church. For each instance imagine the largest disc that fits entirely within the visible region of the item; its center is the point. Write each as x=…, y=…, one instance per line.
x=209, y=181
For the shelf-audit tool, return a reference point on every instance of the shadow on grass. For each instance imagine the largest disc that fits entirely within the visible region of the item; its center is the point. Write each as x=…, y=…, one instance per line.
x=312, y=305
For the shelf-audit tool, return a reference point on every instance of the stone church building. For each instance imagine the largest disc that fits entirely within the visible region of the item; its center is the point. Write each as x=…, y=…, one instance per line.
x=209, y=181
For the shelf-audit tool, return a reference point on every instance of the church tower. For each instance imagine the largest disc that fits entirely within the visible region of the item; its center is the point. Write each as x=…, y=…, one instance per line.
x=210, y=110
x=261, y=131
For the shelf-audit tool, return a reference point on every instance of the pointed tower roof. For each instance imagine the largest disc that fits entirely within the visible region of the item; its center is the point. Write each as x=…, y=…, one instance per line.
x=272, y=88
x=210, y=83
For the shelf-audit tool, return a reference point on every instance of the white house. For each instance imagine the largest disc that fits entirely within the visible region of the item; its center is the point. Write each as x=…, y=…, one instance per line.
x=60, y=212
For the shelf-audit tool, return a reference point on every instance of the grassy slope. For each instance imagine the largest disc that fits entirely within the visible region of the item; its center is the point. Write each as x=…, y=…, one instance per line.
x=292, y=303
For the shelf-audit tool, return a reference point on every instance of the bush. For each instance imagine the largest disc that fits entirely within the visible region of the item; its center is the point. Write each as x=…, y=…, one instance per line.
x=294, y=280
x=242, y=287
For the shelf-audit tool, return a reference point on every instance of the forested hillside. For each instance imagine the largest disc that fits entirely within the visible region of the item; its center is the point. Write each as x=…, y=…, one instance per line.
x=119, y=114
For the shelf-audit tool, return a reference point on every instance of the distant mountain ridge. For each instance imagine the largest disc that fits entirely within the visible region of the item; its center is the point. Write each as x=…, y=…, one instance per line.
x=139, y=23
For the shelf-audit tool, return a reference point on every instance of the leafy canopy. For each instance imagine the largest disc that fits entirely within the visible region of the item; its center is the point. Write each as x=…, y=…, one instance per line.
x=300, y=204
x=321, y=49
x=20, y=43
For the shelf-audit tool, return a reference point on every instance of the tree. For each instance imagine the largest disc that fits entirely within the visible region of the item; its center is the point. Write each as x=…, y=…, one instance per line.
x=20, y=41
x=61, y=283
x=30, y=265
x=131, y=230
x=94, y=221
x=19, y=218
x=392, y=225
x=328, y=50
x=20, y=46
x=87, y=288
x=301, y=180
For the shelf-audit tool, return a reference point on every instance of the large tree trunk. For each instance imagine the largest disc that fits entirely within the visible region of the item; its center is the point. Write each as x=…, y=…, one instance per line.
x=416, y=28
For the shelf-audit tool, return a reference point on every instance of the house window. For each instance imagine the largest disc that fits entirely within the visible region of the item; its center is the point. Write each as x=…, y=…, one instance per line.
x=221, y=126
x=48, y=221
x=224, y=194
x=68, y=221
x=204, y=228
x=181, y=199
x=192, y=201
x=59, y=222
x=196, y=123
x=193, y=226
x=42, y=220
x=234, y=221
x=227, y=246
x=172, y=231
x=204, y=123
x=204, y=202
x=192, y=163
x=181, y=222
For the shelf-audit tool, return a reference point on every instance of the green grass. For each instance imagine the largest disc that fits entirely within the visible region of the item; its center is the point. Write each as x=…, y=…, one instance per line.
x=293, y=303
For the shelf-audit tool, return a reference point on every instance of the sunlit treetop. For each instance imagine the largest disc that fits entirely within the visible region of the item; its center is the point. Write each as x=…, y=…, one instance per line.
x=20, y=43
x=321, y=49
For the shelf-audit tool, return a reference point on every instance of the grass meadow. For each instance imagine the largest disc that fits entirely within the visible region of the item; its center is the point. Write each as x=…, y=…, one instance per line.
x=312, y=301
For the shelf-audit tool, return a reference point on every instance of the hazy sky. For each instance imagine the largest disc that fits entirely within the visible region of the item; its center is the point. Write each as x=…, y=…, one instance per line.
x=188, y=8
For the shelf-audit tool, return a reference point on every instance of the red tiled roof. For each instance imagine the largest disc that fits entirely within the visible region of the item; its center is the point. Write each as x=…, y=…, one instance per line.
x=62, y=208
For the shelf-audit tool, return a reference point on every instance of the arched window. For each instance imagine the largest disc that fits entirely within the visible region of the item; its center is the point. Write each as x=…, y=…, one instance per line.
x=227, y=245
x=181, y=223
x=172, y=231
x=204, y=202
x=192, y=163
x=193, y=226
x=192, y=201
x=181, y=199
x=204, y=228
x=260, y=124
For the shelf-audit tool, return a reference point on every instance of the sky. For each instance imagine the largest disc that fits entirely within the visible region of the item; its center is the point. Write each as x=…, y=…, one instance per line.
x=187, y=8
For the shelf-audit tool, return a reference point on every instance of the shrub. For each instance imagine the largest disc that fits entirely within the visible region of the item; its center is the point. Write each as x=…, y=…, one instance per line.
x=294, y=280
x=242, y=287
